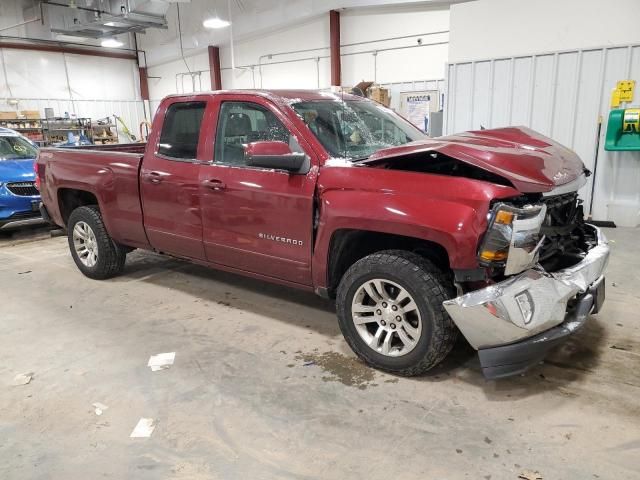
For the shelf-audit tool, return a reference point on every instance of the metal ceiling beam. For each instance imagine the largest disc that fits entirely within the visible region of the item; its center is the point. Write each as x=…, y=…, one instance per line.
x=43, y=47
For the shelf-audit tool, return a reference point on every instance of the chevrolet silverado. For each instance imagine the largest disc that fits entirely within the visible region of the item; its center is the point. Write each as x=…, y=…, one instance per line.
x=416, y=239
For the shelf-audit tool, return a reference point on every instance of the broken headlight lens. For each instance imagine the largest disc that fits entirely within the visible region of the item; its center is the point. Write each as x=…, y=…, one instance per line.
x=509, y=227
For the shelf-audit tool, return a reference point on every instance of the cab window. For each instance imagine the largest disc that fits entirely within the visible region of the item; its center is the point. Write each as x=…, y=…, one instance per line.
x=181, y=130
x=241, y=123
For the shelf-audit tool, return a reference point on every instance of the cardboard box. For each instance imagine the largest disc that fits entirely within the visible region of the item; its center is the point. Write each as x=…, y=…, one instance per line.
x=380, y=95
x=374, y=92
x=8, y=115
x=33, y=114
x=361, y=88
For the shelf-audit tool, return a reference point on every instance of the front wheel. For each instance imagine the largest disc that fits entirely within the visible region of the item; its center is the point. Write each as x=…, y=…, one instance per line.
x=391, y=315
x=93, y=250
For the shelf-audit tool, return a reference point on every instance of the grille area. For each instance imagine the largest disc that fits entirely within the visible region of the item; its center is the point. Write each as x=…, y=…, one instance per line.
x=23, y=189
x=567, y=241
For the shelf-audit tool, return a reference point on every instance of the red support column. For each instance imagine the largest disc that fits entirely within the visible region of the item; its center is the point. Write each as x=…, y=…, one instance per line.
x=214, y=68
x=144, y=83
x=334, y=43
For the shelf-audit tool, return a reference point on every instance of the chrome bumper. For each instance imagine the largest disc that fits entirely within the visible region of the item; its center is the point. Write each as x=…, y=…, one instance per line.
x=527, y=303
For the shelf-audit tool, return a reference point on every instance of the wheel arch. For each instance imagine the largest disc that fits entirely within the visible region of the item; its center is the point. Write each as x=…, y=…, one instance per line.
x=347, y=246
x=71, y=198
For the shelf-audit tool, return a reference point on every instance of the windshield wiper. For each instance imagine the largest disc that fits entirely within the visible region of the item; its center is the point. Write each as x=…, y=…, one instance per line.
x=360, y=159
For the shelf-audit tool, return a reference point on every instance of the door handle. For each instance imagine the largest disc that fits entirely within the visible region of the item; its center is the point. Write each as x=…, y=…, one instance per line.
x=214, y=184
x=153, y=177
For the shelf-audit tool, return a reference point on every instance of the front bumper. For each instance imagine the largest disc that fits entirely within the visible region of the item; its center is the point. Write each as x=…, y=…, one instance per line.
x=505, y=322
x=18, y=211
x=21, y=220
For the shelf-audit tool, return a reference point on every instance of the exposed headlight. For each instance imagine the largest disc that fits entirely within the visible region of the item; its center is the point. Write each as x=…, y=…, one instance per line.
x=513, y=237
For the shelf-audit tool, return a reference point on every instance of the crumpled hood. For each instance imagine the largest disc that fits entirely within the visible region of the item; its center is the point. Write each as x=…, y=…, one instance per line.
x=529, y=160
x=17, y=170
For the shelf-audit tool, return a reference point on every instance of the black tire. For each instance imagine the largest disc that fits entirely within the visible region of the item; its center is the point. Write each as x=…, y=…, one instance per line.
x=429, y=288
x=111, y=256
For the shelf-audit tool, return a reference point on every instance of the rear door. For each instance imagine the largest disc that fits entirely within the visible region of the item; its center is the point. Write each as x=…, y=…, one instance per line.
x=169, y=179
x=255, y=219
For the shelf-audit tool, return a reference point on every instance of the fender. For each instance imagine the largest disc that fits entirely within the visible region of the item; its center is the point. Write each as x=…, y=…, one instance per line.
x=449, y=211
x=97, y=183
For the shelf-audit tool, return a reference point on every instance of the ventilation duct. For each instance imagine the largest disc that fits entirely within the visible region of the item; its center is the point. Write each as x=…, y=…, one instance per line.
x=105, y=18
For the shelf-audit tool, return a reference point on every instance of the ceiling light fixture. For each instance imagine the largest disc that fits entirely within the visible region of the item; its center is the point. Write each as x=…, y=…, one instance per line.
x=215, y=22
x=111, y=43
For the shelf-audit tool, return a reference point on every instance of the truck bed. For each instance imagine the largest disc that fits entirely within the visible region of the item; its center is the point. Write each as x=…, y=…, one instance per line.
x=108, y=172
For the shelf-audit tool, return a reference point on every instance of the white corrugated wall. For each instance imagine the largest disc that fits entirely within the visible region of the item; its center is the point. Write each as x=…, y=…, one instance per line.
x=560, y=94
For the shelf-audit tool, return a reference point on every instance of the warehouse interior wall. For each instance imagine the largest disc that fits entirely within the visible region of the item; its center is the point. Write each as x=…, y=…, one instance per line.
x=261, y=62
x=85, y=85
x=90, y=77
x=486, y=29
x=562, y=93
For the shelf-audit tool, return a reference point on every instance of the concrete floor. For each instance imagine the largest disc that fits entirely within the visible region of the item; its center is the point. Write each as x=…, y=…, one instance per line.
x=263, y=386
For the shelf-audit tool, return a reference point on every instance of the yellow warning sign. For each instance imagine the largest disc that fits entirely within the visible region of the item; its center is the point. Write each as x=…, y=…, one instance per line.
x=622, y=93
x=626, y=90
x=631, y=121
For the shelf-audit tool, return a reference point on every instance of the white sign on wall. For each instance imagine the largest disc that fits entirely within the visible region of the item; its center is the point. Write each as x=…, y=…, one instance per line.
x=415, y=106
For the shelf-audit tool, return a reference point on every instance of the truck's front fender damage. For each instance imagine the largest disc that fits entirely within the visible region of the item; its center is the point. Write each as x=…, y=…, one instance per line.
x=345, y=214
x=448, y=211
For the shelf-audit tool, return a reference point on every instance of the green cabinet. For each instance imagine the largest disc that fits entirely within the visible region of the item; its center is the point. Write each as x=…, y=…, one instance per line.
x=623, y=130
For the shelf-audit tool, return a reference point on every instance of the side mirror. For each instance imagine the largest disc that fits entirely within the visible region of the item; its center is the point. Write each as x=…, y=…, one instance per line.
x=272, y=154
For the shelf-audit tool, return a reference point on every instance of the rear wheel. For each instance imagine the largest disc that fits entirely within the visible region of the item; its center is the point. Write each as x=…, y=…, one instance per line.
x=93, y=250
x=390, y=312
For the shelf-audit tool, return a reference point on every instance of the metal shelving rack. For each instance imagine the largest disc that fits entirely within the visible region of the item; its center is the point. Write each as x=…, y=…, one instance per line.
x=105, y=133
x=55, y=130
x=31, y=128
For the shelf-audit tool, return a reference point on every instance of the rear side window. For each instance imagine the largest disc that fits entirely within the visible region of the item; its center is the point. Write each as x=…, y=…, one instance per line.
x=181, y=130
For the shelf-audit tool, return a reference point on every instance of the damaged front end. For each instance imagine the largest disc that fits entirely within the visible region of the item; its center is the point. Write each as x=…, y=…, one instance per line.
x=549, y=267
x=540, y=265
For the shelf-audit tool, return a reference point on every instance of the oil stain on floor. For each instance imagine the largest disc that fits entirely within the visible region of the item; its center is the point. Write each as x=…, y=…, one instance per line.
x=340, y=368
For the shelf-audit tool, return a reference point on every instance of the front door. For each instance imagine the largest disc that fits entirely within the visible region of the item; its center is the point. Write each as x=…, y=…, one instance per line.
x=169, y=181
x=257, y=219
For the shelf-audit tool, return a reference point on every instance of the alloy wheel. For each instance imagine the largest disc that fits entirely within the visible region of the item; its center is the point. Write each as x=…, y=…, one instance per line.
x=386, y=317
x=85, y=244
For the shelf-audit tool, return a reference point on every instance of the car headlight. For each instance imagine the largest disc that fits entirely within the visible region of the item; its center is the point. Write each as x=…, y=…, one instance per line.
x=513, y=237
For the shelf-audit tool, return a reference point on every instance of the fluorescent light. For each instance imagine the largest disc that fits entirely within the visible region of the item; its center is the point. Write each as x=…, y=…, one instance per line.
x=111, y=43
x=215, y=22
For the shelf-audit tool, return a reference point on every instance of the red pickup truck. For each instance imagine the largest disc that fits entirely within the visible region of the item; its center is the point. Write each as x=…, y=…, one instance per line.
x=417, y=239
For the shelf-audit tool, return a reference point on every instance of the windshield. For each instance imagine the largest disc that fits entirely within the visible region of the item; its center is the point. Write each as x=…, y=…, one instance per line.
x=355, y=129
x=16, y=148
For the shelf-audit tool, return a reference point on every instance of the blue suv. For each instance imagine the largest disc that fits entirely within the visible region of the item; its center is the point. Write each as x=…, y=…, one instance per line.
x=19, y=197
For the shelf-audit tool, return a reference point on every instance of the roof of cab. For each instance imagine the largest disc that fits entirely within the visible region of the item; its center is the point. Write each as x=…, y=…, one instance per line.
x=282, y=96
